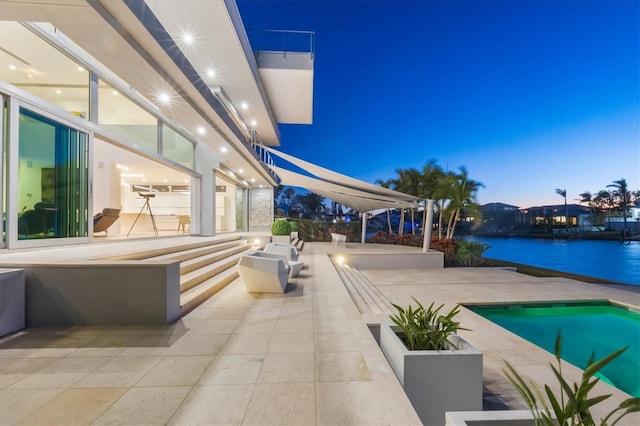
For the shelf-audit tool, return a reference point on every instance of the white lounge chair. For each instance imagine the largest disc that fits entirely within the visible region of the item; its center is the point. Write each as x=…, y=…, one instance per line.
x=287, y=251
x=339, y=240
x=264, y=272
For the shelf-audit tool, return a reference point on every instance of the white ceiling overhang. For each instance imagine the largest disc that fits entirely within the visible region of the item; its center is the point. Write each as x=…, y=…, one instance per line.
x=288, y=81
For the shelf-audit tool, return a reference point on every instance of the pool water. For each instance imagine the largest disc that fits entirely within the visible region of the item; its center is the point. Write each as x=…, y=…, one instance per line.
x=587, y=328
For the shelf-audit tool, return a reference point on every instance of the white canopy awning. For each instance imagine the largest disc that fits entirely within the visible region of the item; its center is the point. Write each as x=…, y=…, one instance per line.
x=359, y=195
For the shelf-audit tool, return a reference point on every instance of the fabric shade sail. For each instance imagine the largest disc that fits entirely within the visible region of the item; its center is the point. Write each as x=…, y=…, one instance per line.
x=359, y=195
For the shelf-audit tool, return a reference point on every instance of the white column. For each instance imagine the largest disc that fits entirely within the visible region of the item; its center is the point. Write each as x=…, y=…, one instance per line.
x=364, y=227
x=428, y=225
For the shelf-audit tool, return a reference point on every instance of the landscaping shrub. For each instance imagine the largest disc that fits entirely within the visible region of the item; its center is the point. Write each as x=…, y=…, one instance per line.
x=313, y=230
x=280, y=227
x=456, y=252
x=294, y=226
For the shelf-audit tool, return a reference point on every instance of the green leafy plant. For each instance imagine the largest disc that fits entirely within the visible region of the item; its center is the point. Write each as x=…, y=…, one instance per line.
x=425, y=328
x=280, y=227
x=572, y=407
x=294, y=226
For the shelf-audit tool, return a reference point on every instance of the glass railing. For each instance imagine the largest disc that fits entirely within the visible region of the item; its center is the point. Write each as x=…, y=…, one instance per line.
x=282, y=41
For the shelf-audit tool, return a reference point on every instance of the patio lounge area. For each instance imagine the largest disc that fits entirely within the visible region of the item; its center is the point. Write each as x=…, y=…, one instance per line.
x=303, y=357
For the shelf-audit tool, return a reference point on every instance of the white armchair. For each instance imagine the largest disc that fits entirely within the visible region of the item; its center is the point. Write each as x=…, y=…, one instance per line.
x=264, y=272
x=287, y=250
x=290, y=252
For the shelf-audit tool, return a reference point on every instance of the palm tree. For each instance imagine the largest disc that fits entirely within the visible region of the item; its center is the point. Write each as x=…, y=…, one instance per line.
x=604, y=200
x=461, y=197
x=430, y=182
x=587, y=197
x=623, y=197
x=311, y=204
x=386, y=184
x=563, y=193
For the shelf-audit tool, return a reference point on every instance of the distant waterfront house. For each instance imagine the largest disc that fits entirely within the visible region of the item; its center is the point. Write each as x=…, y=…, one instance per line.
x=497, y=217
x=556, y=215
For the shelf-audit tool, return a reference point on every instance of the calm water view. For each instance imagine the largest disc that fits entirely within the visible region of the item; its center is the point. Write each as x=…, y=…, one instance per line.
x=609, y=260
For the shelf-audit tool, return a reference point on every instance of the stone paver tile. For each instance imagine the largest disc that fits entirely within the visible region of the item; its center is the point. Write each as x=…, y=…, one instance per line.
x=282, y=404
x=153, y=405
x=336, y=342
x=24, y=365
x=246, y=344
x=217, y=326
x=48, y=381
x=296, y=310
x=294, y=325
x=291, y=343
x=73, y=407
x=17, y=403
x=232, y=369
x=199, y=345
x=74, y=365
x=287, y=368
x=363, y=403
x=331, y=325
x=269, y=311
x=228, y=313
x=119, y=372
x=256, y=326
x=214, y=405
x=341, y=366
x=176, y=371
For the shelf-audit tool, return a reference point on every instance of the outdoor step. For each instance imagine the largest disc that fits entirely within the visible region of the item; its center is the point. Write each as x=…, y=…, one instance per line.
x=195, y=296
x=193, y=253
x=140, y=255
x=192, y=279
x=361, y=288
x=381, y=301
x=208, y=258
x=360, y=303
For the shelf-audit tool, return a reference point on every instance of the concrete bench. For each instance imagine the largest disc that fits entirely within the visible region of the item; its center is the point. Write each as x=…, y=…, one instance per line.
x=339, y=240
x=264, y=272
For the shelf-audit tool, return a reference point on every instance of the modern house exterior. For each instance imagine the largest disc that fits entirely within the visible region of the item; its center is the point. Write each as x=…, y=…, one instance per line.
x=160, y=110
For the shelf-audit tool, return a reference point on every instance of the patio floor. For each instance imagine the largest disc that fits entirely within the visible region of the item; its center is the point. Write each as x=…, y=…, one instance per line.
x=305, y=357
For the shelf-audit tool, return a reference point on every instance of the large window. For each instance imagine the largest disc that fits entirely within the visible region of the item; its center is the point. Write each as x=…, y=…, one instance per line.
x=33, y=65
x=52, y=179
x=176, y=147
x=124, y=118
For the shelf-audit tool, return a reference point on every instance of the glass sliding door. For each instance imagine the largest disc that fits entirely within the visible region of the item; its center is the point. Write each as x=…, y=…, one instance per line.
x=4, y=137
x=53, y=179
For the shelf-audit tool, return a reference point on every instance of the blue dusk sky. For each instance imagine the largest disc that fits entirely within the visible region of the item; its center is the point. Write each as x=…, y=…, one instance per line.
x=529, y=96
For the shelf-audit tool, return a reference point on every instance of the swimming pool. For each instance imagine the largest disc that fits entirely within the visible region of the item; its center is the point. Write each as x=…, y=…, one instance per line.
x=598, y=327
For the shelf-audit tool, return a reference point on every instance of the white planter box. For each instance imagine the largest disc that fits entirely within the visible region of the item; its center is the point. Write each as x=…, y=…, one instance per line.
x=436, y=381
x=12, y=300
x=281, y=239
x=490, y=418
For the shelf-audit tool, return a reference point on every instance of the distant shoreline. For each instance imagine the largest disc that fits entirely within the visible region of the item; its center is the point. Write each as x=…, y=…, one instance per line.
x=536, y=271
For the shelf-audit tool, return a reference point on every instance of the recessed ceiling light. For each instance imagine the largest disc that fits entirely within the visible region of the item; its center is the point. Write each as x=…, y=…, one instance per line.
x=187, y=38
x=260, y=186
x=252, y=180
x=241, y=171
x=254, y=123
x=223, y=149
x=211, y=73
x=115, y=92
x=165, y=181
x=164, y=98
x=144, y=180
x=244, y=106
x=186, y=181
x=80, y=69
x=58, y=92
x=12, y=67
x=201, y=130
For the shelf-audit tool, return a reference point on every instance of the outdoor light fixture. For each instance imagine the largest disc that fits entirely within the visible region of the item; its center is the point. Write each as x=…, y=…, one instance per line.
x=340, y=260
x=187, y=38
x=223, y=149
x=201, y=130
x=164, y=98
